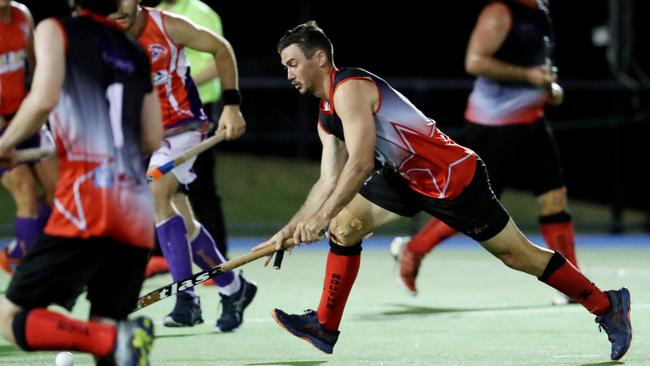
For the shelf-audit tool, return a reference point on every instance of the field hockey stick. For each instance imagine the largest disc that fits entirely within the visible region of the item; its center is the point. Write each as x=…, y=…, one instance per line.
x=198, y=278
x=32, y=154
x=277, y=261
x=160, y=171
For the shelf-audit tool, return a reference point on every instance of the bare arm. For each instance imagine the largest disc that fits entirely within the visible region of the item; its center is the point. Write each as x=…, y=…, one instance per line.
x=490, y=32
x=199, y=38
x=151, y=122
x=355, y=102
x=46, y=86
x=333, y=160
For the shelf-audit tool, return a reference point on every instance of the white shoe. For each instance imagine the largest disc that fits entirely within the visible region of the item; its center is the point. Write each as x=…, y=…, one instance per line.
x=397, y=246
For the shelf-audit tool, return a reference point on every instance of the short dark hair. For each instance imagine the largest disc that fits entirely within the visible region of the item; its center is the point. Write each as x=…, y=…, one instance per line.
x=310, y=38
x=101, y=7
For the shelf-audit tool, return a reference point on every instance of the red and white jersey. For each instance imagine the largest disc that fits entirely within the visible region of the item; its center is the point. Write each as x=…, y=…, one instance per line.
x=407, y=140
x=170, y=73
x=102, y=190
x=14, y=40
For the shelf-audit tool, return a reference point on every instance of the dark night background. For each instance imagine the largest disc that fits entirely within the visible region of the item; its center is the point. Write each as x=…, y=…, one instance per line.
x=420, y=47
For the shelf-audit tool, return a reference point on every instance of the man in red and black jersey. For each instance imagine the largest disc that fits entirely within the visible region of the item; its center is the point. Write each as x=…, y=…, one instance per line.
x=93, y=81
x=382, y=158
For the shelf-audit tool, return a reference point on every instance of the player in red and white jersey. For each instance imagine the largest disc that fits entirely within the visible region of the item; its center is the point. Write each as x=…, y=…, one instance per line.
x=16, y=60
x=93, y=80
x=382, y=158
x=182, y=239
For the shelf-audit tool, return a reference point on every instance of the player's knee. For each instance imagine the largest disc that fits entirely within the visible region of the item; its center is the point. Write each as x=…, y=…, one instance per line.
x=552, y=202
x=25, y=196
x=347, y=229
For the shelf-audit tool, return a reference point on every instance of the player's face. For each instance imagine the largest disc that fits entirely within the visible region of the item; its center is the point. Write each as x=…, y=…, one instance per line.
x=126, y=13
x=301, y=71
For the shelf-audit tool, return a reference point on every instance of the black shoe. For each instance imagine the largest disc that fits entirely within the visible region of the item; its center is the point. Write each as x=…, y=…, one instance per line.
x=617, y=322
x=308, y=328
x=233, y=306
x=186, y=313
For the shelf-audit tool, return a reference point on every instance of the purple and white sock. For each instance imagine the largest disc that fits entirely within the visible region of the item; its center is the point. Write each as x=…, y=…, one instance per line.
x=28, y=230
x=172, y=236
x=206, y=255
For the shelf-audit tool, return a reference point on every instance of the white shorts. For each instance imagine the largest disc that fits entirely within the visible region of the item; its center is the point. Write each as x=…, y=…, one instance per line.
x=172, y=147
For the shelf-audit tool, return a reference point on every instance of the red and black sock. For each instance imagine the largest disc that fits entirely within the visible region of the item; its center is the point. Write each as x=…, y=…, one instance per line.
x=558, y=234
x=340, y=273
x=43, y=330
x=432, y=234
x=566, y=278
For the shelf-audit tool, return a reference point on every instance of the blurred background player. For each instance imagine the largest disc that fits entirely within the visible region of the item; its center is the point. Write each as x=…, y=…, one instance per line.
x=382, y=158
x=203, y=193
x=94, y=82
x=16, y=59
x=183, y=239
x=510, y=53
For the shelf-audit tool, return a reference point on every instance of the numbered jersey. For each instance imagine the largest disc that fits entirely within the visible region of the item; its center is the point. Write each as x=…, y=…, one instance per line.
x=170, y=73
x=15, y=37
x=102, y=190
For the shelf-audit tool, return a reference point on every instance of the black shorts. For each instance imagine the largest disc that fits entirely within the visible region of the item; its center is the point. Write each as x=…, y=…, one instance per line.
x=520, y=156
x=476, y=212
x=57, y=270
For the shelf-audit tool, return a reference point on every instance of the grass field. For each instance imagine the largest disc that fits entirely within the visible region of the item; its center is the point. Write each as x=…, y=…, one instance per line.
x=471, y=311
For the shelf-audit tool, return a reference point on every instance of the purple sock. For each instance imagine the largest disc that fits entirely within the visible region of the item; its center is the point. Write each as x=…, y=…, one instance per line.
x=206, y=256
x=28, y=231
x=172, y=236
x=44, y=212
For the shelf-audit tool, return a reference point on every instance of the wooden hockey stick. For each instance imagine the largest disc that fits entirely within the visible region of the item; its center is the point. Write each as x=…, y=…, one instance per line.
x=198, y=278
x=160, y=171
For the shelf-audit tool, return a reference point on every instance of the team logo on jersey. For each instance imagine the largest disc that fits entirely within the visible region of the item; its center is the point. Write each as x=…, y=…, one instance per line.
x=159, y=77
x=156, y=50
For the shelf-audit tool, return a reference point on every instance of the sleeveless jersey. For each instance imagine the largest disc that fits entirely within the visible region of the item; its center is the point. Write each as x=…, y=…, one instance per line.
x=529, y=43
x=14, y=39
x=407, y=140
x=170, y=73
x=102, y=190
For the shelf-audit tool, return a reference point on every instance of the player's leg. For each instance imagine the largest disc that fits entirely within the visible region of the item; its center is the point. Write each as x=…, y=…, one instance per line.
x=113, y=307
x=170, y=226
x=382, y=199
x=20, y=182
x=555, y=221
x=411, y=254
x=55, y=272
x=206, y=201
x=236, y=293
x=478, y=214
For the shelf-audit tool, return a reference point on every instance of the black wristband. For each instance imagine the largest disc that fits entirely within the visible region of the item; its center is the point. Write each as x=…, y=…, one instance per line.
x=231, y=96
